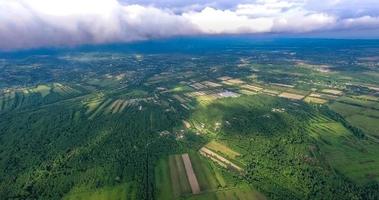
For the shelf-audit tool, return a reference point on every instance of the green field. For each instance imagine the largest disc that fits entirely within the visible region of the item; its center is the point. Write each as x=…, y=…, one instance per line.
x=362, y=114
x=118, y=192
x=241, y=193
x=357, y=159
x=218, y=147
x=215, y=182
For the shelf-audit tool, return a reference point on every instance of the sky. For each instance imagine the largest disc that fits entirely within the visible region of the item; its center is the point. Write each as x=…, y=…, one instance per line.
x=28, y=24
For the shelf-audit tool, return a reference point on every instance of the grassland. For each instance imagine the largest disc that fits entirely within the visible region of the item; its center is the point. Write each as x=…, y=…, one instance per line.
x=44, y=90
x=360, y=113
x=244, y=192
x=218, y=147
x=357, y=159
x=118, y=192
x=163, y=180
x=214, y=181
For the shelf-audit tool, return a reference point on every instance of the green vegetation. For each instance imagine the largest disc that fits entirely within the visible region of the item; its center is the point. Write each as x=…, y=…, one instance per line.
x=337, y=146
x=284, y=157
x=215, y=182
x=119, y=192
x=360, y=113
x=286, y=120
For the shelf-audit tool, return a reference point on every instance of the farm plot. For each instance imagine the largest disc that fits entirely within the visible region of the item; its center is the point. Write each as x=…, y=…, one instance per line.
x=271, y=92
x=233, y=82
x=323, y=96
x=224, y=78
x=178, y=176
x=7, y=100
x=198, y=86
x=218, y=147
x=180, y=89
x=163, y=180
x=171, y=178
x=92, y=104
x=247, y=92
x=356, y=101
x=291, y=96
x=359, y=116
x=120, y=192
x=332, y=91
x=210, y=177
x=251, y=88
x=244, y=192
x=116, y=106
x=180, y=98
x=190, y=174
x=44, y=90
x=211, y=84
x=219, y=159
x=17, y=98
x=315, y=100
x=355, y=158
x=64, y=90
x=100, y=109
x=206, y=99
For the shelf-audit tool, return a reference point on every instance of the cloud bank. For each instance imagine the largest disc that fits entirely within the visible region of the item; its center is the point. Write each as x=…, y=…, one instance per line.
x=41, y=23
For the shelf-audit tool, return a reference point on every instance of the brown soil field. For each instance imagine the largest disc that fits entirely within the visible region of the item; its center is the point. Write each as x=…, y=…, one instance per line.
x=291, y=96
x=191, y=174
x=208, y=153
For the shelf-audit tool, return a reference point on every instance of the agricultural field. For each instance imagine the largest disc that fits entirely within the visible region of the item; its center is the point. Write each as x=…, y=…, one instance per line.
x=338, y=147
x=214, y=182
x=119, y=192
x=256, y=120
x=360, y=113
x=218, y=147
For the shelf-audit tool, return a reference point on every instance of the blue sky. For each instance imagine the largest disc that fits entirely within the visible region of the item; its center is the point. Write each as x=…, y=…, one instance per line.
x=41, y=23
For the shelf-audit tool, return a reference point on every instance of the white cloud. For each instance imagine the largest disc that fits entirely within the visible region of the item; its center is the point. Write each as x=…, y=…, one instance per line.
x=212, y=21
x=361, y=22
x=274, y=16
x=38, y=23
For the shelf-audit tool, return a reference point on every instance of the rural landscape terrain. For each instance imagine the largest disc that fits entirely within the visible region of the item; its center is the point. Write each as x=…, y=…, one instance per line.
x=192, y=118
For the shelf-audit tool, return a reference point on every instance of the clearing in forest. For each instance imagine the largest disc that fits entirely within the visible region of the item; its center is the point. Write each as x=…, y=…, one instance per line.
x=219, y=159
x=218, y=147
x=64, y=90
x=44, y=90
x=100, y=108
x=122, y=192
x=115, y=107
